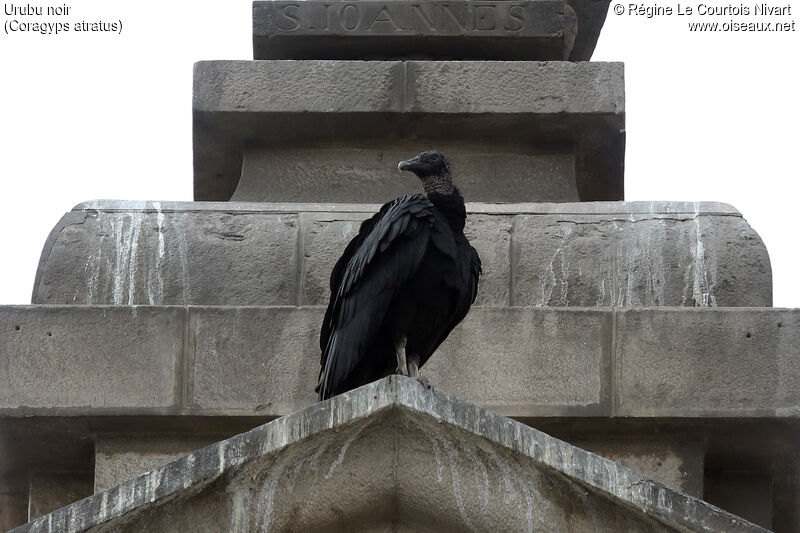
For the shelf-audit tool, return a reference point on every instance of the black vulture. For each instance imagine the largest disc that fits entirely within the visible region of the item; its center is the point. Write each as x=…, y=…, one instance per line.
x=402, y=284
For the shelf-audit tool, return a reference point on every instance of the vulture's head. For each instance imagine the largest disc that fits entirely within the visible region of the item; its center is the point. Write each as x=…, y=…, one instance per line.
x=433, y=169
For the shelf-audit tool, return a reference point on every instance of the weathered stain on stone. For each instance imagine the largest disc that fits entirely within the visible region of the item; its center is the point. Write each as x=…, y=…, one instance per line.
x=636, y=262
x=615, y=254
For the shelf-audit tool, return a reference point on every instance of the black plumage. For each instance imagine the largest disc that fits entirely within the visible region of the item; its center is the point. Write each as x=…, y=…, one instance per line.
x=401, y=285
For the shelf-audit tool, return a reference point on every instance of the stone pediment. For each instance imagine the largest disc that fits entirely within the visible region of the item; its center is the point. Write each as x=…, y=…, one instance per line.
x=391, y=456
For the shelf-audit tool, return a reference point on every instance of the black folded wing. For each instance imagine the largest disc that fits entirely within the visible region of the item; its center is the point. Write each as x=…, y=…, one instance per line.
x=380, y=259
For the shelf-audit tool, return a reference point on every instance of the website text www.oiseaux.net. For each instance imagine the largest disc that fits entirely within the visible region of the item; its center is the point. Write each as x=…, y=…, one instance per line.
x=717, y=18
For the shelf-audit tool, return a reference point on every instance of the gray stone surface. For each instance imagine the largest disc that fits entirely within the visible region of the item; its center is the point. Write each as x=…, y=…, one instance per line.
x=13, y=510
x=241, y=363
x=678, y=465
x=538, y=88
x=322, y=236
x=298, y=87
x=591, y=15
x=583, y=21
x=49, y=491
x=522, y=362
x=431, y=460
x=368, y=173
x=675, y=464
x=120, y=458
x=380, y=105
x=254, y=359
x=490, y=235
x=142, y=255
x=81, y=358
x=376, y=29
x=708, y=363
x=572, y=254
x=695, y=259
x=515, y=360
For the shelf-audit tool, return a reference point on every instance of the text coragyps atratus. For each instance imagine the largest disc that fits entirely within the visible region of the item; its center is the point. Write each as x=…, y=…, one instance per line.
x=401, y=285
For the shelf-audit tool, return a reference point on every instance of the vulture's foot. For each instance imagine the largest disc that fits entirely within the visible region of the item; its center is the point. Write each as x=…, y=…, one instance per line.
x=400, y=351
x=413, y=371
x=425, y=383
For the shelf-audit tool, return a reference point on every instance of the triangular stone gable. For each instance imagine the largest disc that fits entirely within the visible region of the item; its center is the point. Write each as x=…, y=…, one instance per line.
x=391, y=456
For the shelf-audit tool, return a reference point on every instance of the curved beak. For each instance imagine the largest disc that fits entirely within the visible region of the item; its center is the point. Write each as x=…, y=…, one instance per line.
x=408, y=164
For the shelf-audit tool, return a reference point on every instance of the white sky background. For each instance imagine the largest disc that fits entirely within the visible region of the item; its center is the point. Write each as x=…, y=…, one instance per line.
x=710, y=116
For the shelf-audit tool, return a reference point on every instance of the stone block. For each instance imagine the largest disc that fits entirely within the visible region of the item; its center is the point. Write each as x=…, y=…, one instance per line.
x=79, y=358
x=373, y=29
x=725, y=362
x=278, y=110
x=118, y=459
x=368, y=173
x=451, y=87
x=574, y=254
x=261, y=360
x=647, y=254
x=523, y=362
x=514, y=361
x=145, y=255
x=583, y=20
x=325, y=236
x=490, y=235
x=297, y=87
x=266, y=360
x=514, y=88
x=49, y=492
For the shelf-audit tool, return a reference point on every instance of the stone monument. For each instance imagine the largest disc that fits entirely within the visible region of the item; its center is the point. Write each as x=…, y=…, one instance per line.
x=642, y=332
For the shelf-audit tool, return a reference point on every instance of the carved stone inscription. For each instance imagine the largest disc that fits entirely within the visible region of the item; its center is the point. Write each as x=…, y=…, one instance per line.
x=403, y=18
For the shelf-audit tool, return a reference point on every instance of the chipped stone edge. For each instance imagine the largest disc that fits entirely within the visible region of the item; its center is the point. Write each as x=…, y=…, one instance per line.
x=655, y=208
x=201, y=468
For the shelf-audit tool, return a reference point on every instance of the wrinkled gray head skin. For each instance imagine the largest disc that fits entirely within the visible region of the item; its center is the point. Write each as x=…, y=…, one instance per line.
x=433, y=168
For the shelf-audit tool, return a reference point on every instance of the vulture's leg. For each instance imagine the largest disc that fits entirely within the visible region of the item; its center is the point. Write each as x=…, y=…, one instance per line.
x=413, y=371
x=400, y=351
x=413, y=366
